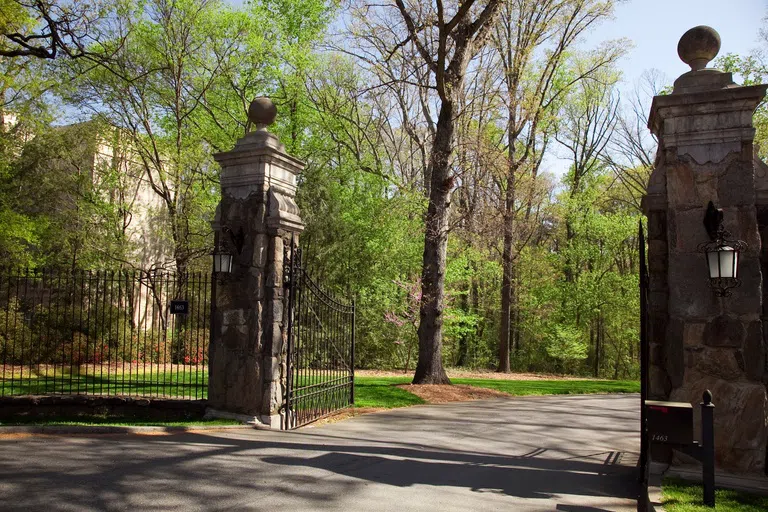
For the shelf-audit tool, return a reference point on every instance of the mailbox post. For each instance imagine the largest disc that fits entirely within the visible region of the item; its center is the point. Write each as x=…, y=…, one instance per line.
x=708, y=447
x=671, y=423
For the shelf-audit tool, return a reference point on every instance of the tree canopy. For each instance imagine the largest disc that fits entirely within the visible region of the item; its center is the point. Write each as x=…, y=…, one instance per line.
x=431, y=132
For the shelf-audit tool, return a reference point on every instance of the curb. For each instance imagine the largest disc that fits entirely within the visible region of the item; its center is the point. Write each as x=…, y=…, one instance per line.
x=114, y=429
x=654, y=491
x=650, y=494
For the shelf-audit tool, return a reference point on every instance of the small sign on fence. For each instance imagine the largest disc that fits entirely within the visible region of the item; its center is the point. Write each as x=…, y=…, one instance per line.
x=179, y=307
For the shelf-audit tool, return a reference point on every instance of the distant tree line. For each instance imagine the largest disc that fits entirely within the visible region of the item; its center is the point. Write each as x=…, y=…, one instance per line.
x=432, y=133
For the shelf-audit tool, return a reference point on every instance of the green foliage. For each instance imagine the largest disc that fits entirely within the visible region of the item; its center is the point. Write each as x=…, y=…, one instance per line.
x=354, y=244
x=170, y=85
x=578, y=302
x=69, y=215
x=752, y=70
x=565, y=344
x=469, y=333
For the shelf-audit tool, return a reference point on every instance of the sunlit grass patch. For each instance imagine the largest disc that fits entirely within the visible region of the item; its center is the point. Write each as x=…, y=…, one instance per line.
x=382, y=391
x=554, y=387
x=682, y=496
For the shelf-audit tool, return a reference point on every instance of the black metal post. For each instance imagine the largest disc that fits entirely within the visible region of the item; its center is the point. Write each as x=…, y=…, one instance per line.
x=644, y=357
x=352, y=356
x=211, y=332
x=708, y=448
x=289, y=259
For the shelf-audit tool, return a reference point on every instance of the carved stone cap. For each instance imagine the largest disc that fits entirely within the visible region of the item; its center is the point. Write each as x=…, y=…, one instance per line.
x=262, y=112
x=744, y=99
x=697, y=48
x=259, y=160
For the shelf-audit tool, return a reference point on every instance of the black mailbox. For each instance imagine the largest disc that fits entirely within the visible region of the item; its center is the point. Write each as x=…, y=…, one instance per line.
x=669, y=422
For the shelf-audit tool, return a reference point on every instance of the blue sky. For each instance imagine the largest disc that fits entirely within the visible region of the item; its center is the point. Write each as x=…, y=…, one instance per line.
x=655, y=26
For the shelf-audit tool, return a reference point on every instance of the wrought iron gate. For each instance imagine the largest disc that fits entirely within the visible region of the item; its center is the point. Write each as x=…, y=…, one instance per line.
x=321, y=348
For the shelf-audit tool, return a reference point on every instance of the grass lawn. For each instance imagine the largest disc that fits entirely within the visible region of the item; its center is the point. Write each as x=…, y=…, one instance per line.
x=192, y=382
x=681, y=496
x=177, y=382
x=554, y=387
x=381, y=391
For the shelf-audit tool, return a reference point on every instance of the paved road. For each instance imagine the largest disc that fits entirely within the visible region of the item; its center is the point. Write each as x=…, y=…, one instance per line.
x=574, y=454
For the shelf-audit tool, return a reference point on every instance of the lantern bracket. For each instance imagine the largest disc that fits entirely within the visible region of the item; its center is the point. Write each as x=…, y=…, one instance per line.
x=237, y=238
x=713, y=221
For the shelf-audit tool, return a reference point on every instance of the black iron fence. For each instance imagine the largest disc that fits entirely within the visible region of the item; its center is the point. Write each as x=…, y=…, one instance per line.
x=131, y=333
x=321, y=348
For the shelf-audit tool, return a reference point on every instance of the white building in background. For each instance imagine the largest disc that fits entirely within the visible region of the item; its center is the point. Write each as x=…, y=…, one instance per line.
x=144, y=217
x=105, y=155
x=112, y=157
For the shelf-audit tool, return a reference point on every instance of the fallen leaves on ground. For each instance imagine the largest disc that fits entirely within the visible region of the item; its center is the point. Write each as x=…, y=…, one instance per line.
x=349, y=412
x=442, y=393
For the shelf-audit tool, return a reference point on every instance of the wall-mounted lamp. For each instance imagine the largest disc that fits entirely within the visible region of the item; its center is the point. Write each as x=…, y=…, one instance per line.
x=223, y=258
x=722, y=253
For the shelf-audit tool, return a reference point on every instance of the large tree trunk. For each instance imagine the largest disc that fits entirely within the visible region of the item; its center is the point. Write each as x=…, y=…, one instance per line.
x=507, y=261
x=506, y=302
x=429, y=369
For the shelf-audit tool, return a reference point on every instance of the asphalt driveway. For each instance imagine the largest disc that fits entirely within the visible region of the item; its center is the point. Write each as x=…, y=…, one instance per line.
x=573, y=454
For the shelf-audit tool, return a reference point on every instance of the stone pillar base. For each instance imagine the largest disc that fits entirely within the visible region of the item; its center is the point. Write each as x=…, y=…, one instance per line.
x=211, y=413
x=268, y=422
x=273, y=421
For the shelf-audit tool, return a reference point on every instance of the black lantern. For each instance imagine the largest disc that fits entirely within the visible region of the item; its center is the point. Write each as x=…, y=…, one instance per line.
x=722, y=253
x=222, y=260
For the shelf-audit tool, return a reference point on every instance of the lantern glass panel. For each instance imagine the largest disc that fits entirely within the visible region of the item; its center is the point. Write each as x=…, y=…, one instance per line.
x=713, y=260
x=735, y=264
x=222, y=262
x=728, y=259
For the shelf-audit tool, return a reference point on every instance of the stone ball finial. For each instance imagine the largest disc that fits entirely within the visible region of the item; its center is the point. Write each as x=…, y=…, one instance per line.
x=262, y=112
x=698, y=46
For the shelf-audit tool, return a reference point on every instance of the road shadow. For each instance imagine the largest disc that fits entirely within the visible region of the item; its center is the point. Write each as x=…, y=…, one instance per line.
x=321, y=468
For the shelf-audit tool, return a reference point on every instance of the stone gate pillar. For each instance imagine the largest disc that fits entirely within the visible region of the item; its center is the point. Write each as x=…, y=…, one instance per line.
x=254, y=221
x=700, y=340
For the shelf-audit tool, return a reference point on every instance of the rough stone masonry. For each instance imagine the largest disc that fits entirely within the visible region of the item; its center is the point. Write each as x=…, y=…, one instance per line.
x=254, y=221
x=700, y=340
